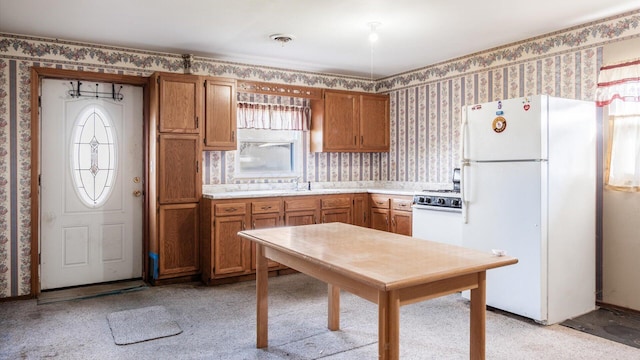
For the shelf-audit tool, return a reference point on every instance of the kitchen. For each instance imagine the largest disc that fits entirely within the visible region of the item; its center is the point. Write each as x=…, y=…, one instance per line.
x=414, y=157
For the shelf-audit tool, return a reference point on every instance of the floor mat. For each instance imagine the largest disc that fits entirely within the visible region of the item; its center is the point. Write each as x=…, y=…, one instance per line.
x=613, y=324
x=86, y=292
x=143, y=324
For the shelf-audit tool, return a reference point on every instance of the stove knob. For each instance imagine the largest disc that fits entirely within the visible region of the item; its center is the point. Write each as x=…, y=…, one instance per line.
x=455, y=202
x=427, y=200
x=441, y=201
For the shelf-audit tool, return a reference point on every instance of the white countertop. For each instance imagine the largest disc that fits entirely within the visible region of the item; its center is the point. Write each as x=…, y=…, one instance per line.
x=270, y=193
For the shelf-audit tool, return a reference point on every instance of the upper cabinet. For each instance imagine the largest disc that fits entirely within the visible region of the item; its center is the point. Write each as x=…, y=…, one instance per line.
x=180, y=103
x=220, y=114
x=345, y=121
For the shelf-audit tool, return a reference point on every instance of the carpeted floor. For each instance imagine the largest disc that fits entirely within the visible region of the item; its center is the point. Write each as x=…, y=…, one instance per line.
x=219, y=323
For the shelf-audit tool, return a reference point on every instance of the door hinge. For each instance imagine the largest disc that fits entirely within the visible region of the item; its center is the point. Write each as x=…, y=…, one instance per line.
x=39, y=258
x=197, y=122
x=39, y=101
x=39, y=179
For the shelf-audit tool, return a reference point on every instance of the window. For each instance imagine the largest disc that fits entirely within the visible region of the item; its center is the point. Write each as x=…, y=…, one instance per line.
x=268, y=154
x=619, y=90
x=93, y=156
x=623, y=161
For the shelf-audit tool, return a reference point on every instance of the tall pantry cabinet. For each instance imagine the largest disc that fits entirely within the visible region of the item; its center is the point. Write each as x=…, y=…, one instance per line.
x=188, y=114
x=176, y=180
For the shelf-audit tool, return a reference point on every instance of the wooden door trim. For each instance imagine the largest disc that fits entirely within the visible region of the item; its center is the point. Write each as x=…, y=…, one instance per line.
x=37, y=74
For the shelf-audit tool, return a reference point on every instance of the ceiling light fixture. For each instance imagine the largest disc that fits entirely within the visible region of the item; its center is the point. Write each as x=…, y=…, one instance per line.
x=373, y=35
x=281, y=38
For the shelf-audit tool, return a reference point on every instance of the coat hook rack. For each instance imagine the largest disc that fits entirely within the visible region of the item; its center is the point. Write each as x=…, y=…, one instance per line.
x=76, y=92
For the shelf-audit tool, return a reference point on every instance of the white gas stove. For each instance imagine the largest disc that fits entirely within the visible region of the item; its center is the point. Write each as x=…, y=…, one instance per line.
x=437, y=214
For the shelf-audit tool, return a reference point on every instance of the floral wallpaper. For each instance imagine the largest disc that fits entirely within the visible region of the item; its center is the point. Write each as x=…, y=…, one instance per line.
x=425, y=110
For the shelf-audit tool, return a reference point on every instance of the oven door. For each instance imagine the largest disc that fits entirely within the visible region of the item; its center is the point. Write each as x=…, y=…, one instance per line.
x=437, y=224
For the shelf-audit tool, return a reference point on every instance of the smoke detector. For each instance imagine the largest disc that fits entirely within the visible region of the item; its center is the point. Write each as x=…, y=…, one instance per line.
x=281, y=38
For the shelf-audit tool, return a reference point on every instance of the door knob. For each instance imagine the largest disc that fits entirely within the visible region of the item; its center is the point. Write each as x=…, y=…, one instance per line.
x=137, y=193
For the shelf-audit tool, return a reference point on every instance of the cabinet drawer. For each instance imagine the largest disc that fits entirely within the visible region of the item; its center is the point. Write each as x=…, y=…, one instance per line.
x=401, y=204
x=230, y=209
x=337, y=202
x=263, y=207
x=300, y=204
x=380, y=201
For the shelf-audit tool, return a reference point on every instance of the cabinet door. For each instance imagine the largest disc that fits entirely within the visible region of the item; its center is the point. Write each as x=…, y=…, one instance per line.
x=179, y=179
x=401, y=222
x=230, y=250
x=340, y=126
x=220, y=114
x=179, y=103
x=374, y=123
x=336, y=215
x=360, y=210
x=179, y=240
x=295, y=218
x=263, y=221
x=380, y=219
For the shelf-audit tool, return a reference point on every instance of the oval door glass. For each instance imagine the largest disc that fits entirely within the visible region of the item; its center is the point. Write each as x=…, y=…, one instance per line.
x=93, y=156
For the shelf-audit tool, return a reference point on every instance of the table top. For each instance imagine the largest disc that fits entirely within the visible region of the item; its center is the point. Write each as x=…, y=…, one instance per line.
x=384, y=260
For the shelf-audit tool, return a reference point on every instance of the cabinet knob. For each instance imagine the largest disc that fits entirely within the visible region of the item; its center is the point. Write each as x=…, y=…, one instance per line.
x=137, y=193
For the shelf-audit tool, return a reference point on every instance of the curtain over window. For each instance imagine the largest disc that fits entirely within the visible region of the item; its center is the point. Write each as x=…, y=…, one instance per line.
x=273, y=116
x=619, y=90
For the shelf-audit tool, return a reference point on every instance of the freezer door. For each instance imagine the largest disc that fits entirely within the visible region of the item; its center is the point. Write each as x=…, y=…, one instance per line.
x=505, y=130
x=504, y=207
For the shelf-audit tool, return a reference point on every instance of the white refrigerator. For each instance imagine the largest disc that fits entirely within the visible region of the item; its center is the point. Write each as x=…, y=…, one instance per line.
x=528, y=189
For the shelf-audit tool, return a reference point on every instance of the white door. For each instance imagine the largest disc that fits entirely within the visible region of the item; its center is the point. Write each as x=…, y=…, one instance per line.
x=91, y=203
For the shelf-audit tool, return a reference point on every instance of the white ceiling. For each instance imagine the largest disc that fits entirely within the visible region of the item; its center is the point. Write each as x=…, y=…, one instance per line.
x=330, y=35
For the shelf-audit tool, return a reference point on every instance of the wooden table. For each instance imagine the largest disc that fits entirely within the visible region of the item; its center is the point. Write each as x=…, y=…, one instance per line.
x=388, y=269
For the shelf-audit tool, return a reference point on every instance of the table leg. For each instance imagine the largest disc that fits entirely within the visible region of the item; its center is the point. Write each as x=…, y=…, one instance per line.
x=478, y=318
x=262, y=298
x=334, y=308
x=388, y=325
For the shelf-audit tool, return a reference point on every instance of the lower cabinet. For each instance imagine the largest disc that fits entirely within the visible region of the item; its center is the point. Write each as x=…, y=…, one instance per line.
x=178, y=240
x=265, y=214
x=401, y=215
x=336, y=208
x=391, y=213
x=301, y=210
x=227, y=257
x=224, y=253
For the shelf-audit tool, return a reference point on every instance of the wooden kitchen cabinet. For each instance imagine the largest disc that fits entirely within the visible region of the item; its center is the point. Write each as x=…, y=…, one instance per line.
x=301, y=210
x=265, y=213
x=361, y=209
x=379, y=214
x=175, y=182
x=179, y=179
x=391, y=213
x=401, y=215
x=179, y=240
x=336, y=208
x=220, y=108
x=345, y=121
x=224, y=253
x=179, y=103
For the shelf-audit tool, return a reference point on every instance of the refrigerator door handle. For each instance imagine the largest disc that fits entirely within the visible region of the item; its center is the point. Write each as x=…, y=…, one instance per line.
x=463, y=183
x=464, y=163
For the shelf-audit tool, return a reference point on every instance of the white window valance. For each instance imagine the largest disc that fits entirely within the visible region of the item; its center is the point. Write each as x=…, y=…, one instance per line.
x=619, y=82
x=273, y=116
